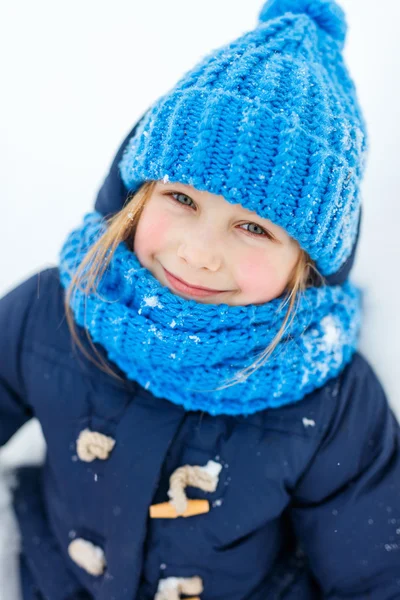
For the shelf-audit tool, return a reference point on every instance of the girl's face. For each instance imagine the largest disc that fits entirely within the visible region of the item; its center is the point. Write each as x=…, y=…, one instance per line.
x=186, y=235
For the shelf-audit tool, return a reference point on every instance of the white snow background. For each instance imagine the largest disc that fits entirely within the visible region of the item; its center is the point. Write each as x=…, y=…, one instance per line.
x=77, y=75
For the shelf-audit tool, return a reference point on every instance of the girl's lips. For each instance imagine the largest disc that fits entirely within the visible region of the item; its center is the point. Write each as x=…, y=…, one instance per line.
x=188, y=289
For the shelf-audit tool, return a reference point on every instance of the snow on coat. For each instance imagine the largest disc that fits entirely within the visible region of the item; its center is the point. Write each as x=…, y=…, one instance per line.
x=305, y=500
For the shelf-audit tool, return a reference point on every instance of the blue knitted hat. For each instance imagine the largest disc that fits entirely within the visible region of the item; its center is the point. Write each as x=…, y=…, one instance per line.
x=271, y=121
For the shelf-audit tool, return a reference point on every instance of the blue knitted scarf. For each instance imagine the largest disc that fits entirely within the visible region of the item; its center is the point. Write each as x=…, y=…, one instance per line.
x=181, y=349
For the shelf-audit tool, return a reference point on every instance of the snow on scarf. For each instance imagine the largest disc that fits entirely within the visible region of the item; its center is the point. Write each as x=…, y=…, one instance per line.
x=181, y=349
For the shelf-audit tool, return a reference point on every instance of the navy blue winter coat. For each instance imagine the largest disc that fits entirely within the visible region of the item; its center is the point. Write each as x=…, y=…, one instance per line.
x=307, y=504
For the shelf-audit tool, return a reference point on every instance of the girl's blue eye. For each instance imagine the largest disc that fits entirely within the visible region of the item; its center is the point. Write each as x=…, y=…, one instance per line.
x=257, y=227
x=182, y=196
x=261, y=232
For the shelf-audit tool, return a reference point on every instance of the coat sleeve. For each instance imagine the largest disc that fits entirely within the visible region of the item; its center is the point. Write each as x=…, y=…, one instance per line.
x=14, y=310
x=346, y=506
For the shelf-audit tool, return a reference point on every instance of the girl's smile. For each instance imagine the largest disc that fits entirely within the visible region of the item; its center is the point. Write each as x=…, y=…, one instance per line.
x=190, y=290
x=216, y=252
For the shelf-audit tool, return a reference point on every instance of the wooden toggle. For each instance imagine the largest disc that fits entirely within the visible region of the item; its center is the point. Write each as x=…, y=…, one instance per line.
x=166, y=510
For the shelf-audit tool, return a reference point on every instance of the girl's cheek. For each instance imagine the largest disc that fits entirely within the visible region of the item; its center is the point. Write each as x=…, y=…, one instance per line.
x=151, y=235
x=257, y=278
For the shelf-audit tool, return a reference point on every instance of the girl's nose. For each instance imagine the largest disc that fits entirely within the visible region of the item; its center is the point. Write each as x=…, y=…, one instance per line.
x=200, y=253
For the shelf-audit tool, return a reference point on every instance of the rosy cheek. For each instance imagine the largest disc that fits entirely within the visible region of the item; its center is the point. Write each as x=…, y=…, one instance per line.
x=151, y=235
x=249, y=273
x=257, y=278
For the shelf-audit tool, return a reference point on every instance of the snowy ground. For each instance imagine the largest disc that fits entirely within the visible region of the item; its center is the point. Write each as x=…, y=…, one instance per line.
x=26, y=447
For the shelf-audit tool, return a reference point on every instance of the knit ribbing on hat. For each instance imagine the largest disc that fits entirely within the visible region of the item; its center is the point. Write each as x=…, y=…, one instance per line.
x=270, y=121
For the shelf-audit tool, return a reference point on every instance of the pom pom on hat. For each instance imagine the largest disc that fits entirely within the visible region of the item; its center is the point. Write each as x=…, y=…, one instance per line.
x=270, y=121
x=327, y=14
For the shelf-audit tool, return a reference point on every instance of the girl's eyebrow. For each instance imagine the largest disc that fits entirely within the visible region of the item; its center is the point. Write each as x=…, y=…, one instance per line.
x=187, y=188
x=163, y=184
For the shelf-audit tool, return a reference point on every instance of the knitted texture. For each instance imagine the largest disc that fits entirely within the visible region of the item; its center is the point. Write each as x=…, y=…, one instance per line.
x=270, y=121
x=178, y=348
x=325, y=13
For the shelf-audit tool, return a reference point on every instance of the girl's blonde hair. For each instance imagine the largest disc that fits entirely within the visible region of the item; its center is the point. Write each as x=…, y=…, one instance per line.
x=121, y=227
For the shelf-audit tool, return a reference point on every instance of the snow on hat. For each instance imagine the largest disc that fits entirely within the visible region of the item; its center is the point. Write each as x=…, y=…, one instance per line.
x=271, y=121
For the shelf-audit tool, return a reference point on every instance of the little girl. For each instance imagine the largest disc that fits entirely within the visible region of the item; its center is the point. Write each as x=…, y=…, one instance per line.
x=212, y=432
